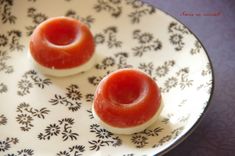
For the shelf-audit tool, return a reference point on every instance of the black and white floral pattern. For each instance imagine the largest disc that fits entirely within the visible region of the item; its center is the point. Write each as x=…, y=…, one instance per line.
x=94, y=80
x=177, y=32
x=109, y=37
x=146, y=43
x=171, y=116
x=90, y=114
x=174, y=134
x=4, y=67
x=3, y=40
x=207, y=85
x=103, y=138
x=29, y=80
x=76, y=150
x=3, y=88
x=72, y=99
x=167, y=118
x=207, y=70
x=36, y=17
x=165, y=68
x=14, y=43
x=62, y=128
x=197, y=48
x=49, y=109
x=6, y=12
x=88, y=20
x=11, y=40
x=89, y=97
x=121, y=59
x=26, y=115
x=106, y=62
x=140, y=140
x=140, y=9
x=113, y=7
x=181, y=79
x=109, y=64
x=3, y=120
x=22, y=152
x=7, y=143
x=157, y=72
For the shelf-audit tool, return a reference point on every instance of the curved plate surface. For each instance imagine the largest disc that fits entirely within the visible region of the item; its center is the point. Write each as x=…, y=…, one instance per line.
x=42, y=115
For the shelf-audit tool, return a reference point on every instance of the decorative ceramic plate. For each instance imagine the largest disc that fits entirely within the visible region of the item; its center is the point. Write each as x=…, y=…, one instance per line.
x=42, y=115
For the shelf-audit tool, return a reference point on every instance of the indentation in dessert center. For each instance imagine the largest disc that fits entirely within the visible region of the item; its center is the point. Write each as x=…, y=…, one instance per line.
x=125, y=90
x=61, y=32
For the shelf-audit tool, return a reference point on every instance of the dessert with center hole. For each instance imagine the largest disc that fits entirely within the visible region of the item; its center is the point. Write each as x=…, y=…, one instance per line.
x=62, y=46
x=127, y=101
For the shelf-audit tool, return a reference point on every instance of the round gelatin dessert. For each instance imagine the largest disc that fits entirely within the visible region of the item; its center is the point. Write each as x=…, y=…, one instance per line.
x=62, y=46
x=127, y=101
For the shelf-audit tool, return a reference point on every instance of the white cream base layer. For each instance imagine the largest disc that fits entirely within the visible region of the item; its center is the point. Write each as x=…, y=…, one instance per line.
x=63, y=72
x=130, y=130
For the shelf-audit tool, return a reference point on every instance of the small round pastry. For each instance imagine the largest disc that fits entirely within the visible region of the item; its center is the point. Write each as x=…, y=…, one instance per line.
x=127, y=101
x=62, y=46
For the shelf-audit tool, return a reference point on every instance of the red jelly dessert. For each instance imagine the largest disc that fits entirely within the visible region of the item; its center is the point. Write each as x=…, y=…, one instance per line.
x=62, y=46
x=127, y=101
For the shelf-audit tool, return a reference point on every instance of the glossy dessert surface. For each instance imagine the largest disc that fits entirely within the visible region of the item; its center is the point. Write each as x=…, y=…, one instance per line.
x=126, y=98
x=61, y=43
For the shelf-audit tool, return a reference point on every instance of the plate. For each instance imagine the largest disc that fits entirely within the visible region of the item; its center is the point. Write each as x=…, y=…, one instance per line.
x=42, y=115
